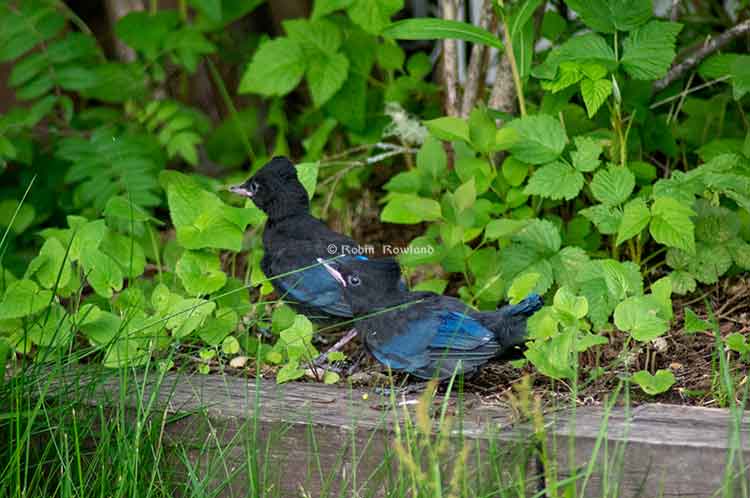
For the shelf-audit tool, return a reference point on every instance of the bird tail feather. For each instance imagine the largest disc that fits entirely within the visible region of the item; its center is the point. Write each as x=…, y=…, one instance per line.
x=509, y=322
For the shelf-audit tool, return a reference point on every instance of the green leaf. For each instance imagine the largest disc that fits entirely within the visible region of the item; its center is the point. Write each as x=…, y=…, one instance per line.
x=53, y=263
x=23, y=298
x=671, y=224
x=586, y=156
x=606, y=218
x=497, y=229
x=613, y=186
x=482, y=130
x=522, y=286
x=410, y=209
x=449, y=128
x=21, y=218
x=187, y=315
x=390, y=55
x=435, y=285
x=606, y=16
x=325, y=7
x=649, y=51
x=230, y=345
x=331, y=377
x=654, y=384
x=431, y=159
x=104, y=273
x=541, y=139
x=640, y=316
x=580, y=49
x=635, y=218
x=737, y=343
x=567, y=302
x=465, y=196
x=514, y=171
x=200, y=272
x=693, y=323
x=296, y=340
x=556, y=180
x=52, y=330
x=275, y=69
x=440, y=29
x=211, y=8
x=100, y=327
x=595, y=93
x=326, y=76
x=307, y=174
x=290, y=371
x=121, y=208
x=374, y=15
x=321, y=37
x=126, y=252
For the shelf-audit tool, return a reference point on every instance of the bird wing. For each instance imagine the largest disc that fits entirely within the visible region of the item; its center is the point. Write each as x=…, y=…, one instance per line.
x=315, y=288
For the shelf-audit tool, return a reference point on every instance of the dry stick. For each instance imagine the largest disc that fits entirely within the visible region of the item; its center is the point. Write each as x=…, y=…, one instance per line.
x=674, y=11
x=450, y=68
x=708, y=48
x=476, y=63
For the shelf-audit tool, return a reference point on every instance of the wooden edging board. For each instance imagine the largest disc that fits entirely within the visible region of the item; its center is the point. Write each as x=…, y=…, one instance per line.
x=318, y=438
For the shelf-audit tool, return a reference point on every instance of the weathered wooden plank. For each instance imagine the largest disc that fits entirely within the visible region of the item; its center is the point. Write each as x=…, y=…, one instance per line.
x=332, y=438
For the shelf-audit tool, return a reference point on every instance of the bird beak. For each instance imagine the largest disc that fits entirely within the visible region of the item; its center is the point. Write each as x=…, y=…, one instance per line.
x=334, y=273
x=241, y=190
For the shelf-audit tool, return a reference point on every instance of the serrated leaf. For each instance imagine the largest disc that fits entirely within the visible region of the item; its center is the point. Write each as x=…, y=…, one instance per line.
x=326, y=76
x=654, y=384
x=497, y=229
x=589, y=47
x=522, y=286
x=635, y=218
x=606, y=218
x=315, y=37
x=541, y=139
x=556, y=180
x=449, y=128
x=613, y=186
x=671, y=224
x=595, y=93
x=275, y=69
x=649, y=51
x=693, y=323
x=606, y=16
x=586, y=156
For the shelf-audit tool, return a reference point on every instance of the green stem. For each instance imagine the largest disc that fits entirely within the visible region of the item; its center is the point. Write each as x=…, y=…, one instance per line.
x=182, y=7
x=232, y=109
x=514, y=67
x=153, y=6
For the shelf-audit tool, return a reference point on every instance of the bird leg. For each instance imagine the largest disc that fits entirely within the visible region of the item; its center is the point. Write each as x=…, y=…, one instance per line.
x=336, y=347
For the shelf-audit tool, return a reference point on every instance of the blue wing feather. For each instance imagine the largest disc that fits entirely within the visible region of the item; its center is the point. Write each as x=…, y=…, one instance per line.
x=460, y=331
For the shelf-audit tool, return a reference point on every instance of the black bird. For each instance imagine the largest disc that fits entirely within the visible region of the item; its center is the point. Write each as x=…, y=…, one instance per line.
x=426, y=334
x=293, y=241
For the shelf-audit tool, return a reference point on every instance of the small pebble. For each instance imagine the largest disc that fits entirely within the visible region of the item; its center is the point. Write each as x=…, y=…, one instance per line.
x=238, y=362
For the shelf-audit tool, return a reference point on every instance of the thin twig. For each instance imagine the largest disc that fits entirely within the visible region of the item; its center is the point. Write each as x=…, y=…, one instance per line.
x=708, y=48
x=475, y=72
x=688, y=91
x=674, y=12
x=450, y=58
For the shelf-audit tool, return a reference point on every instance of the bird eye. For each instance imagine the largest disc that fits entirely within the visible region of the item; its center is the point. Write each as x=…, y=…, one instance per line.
x=253, y=188
x=354, y=280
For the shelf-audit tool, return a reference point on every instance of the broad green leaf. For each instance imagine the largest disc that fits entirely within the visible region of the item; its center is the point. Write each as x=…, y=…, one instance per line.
x=661, y=291
x=555, y=180
x=449, y=128
x=21, y=217
x=693, y=323
x=390, y=55
x=374, y=15
x=317, y=38
x=465, y=195
x=635, y=218
x=710, y=262
x=737, y=343
x=331, y=377
x=211, y=8
x=326, y=76
x=613, y=186
x=584, y=48
x=595, y=93
x=440, y=29
x=230, y=345
x=654, y=384
x=200, y=272
x=540, y=235
x=586, y=156
x=477, y=169
x=606, y=16
x=649, y=50
x=104, y=273
x=146, y=32
x=671, y=224
x=54, y=264
x=324, y=7
x=187, y=315
x=23, y=298
x=290, y=371
x=640, y=316
x=121, y=208
x=567, y=265
x=522, y=286
x=410, y=209
x=100, y=327
x=497, y=229
x=435, y=285
x=606, y=218
x=126, y=251
x=52, y=330
x=515, y=171
x=567, y=302
x=482, y=130
x=307, y=174
x=541, y=139
x=296, y=341
x=125, y=353
x=275, y=69
x=431, y=159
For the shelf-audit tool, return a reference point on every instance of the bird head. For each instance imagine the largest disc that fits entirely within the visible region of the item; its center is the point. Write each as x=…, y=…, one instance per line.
x=275, y=189
x=368, y=284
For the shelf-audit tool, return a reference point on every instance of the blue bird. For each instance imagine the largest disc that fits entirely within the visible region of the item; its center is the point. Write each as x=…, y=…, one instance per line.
x=426, y=334
x=293, y=241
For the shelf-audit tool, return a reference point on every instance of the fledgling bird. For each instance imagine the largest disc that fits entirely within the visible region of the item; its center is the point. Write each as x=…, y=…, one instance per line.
x=426, y=334
x=293, y=241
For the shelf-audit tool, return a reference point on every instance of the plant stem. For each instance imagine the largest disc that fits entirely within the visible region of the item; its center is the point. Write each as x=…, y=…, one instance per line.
x=514, y=67
x=153, y=6
x=232, y=109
